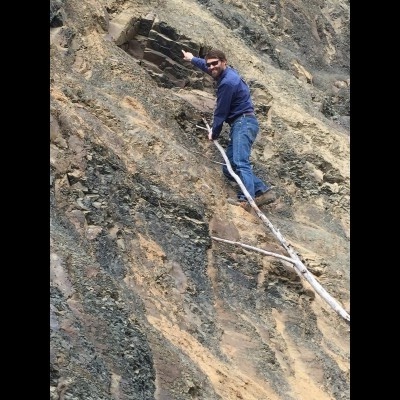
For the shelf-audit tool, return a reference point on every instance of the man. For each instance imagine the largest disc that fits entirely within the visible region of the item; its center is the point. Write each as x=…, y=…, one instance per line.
x=234, y=106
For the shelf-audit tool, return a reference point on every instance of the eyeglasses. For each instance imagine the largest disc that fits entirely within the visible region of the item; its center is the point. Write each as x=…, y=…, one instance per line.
x=213, y=63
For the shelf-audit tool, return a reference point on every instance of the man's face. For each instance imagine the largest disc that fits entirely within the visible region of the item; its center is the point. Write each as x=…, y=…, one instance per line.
x=215, y=66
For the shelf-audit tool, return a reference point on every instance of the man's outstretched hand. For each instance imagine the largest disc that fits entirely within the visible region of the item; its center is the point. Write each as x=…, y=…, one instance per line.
x=187, y=55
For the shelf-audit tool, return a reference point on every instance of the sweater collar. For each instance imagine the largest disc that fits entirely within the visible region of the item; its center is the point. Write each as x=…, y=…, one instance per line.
x=223, y=74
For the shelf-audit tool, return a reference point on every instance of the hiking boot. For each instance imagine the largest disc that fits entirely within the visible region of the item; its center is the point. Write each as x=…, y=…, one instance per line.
x=265, y=198
x=241, y=203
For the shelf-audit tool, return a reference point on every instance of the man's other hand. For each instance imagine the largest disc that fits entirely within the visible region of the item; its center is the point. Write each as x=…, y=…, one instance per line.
x=187, y=55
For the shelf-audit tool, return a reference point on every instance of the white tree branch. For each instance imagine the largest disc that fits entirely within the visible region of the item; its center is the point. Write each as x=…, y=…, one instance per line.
x=246, y=246
x=299, y=267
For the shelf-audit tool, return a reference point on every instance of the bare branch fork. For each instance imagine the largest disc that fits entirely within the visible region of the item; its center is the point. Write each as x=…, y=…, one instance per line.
x=299, y=267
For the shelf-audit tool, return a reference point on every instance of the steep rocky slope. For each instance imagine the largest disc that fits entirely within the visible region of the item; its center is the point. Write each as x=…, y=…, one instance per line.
x=144, y=303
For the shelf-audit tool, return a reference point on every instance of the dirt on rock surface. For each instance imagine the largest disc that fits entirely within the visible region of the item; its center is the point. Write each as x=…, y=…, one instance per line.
x=144, y=303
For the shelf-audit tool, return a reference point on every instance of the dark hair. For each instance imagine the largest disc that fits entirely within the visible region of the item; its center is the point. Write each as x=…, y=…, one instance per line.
x=214, y=53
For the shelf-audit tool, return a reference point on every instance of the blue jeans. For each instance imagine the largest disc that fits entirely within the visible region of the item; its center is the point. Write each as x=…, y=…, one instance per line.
x=242, y=135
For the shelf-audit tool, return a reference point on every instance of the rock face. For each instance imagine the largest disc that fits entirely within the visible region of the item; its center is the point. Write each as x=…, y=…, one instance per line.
x=144, y=303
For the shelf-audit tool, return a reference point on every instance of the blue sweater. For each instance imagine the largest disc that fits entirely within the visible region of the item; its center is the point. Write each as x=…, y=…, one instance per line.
x=233, y=96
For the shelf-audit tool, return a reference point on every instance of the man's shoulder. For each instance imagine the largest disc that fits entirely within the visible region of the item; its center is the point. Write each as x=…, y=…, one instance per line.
x=233, y=72
x=231, y=76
